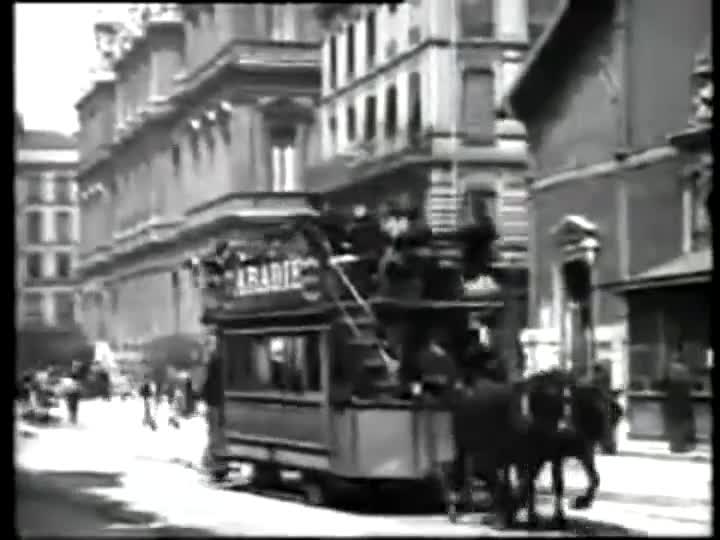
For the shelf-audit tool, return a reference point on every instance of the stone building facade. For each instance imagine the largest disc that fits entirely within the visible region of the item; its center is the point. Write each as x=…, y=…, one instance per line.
x=411, y=96
x=598, y=122
x=47, y=229
x=197, y=126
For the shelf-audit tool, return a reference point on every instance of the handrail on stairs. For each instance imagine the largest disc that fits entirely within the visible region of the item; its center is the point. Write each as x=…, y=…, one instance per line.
x=334, y=263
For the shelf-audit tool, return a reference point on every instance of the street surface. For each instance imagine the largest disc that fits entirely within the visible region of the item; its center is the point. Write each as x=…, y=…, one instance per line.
x=111, y=476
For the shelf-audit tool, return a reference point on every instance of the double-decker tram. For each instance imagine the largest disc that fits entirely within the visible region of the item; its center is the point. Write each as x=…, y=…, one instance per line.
x=329, y=332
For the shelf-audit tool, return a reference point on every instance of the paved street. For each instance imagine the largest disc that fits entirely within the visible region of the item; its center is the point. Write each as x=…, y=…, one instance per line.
x=114, y=477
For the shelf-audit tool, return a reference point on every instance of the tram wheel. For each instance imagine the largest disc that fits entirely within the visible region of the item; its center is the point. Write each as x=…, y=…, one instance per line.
x=219, y=475
x=314, y=493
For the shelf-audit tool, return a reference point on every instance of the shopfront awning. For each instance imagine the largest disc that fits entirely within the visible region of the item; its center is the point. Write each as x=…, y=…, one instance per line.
x=687, y=269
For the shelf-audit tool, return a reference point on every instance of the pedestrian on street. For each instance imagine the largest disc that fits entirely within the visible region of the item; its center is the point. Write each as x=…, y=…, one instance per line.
x=213, y=397
x=71, y=390
x=679, y=411
x=602, y=377
x=189, y=396
x=176, y=406
x=146, y=393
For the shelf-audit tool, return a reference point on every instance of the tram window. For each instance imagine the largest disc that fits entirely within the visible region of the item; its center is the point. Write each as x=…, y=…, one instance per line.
x=311, y=363
x=284, y=363
x=238, y=371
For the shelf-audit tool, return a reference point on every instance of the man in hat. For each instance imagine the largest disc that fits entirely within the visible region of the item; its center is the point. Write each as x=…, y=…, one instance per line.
x=212, y=394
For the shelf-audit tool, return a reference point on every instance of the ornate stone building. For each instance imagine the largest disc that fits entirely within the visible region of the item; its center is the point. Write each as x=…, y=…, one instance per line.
x=197, y=125
x=409, y=111
x=605, y=171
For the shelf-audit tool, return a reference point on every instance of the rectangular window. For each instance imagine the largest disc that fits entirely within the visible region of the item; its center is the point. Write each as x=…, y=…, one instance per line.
x=63, y=188
x=390, y=48
x=478, y=111
x=414, y=34
x=239, y=369
x=35, y=189
x=176, y=160
x=34, y=267
x=477, y=18
x=414, y=105
x=333, y=62
x=370, y=38
x=288, y=364
x=63, y=226
x=63, y=265
x=351, y=127
x=351, y=50
x=390, y=111
x=65, y=308
x=283, y=168
x=332, y=126
x=370, y=117
x=33, y=307
x=34, y=225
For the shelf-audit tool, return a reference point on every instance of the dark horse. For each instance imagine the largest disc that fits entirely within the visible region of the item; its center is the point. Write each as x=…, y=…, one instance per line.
x=562, y=418
x=567, y=417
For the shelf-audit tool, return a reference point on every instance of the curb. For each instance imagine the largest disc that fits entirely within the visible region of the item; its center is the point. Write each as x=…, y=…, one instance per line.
x=691, y=458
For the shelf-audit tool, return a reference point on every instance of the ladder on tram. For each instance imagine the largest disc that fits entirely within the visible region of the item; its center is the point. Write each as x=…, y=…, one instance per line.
x=335, y=263
x=378, y=365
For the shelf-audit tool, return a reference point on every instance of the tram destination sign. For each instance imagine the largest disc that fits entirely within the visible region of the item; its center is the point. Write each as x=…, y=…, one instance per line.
x=272, y=286
x=267, y=278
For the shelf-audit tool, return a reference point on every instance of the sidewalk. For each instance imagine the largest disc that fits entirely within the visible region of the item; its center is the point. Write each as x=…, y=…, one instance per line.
x=659, y=450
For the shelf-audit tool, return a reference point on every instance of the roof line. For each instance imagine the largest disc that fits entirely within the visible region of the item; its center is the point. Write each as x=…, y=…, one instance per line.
x=649, y=283
x=535, y=52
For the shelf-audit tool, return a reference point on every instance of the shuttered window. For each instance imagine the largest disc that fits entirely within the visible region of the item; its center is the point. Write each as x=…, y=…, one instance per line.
x=350, y=50
x=333, y=62
x=370, y=38
x=370, y=117
x=414, y=105
x=351, y=124
x=391, y=111
x=478, y=115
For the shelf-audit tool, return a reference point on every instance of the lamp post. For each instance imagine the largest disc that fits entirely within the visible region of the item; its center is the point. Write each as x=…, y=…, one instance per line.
x=578, y=243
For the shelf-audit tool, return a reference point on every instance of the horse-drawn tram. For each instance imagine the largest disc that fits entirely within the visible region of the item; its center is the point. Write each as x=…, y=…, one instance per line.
x=330, y=332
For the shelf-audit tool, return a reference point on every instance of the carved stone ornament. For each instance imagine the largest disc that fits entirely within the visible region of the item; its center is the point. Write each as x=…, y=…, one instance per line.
x=702, y=87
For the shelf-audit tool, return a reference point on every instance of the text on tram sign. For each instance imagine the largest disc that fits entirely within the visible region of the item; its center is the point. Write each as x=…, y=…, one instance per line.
x=269, y=277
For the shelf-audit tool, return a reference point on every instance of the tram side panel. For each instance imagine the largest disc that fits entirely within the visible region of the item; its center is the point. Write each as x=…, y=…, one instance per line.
x=392, y=442
x=263, y=424
x=377, y=439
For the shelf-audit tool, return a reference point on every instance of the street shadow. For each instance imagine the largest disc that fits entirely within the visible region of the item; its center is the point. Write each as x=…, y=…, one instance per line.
x=408, y=501
x=53, y=503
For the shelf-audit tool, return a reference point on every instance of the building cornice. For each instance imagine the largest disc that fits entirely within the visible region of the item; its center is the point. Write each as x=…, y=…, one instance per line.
x=403, y=57
x=639, y=159
x=47, y=156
